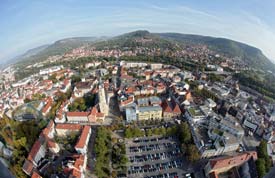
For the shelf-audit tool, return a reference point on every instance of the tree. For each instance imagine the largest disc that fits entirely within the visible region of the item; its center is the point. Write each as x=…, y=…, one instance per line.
x=192, y=153
x=75, y=79
x=53, y=78
x=22, y=142
x=183, y=148
x=128, y=133
x=261, y=169
x=102, y=144
x=114, y=174
x=262, y=153
x=149, y=132
x=185, y=133
x=124, y=160
x=162, y=131
x=171, y=130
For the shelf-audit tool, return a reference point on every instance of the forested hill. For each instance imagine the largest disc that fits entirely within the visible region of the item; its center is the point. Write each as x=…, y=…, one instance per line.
x=57, y=48
x=251, y=55
x=171, y=41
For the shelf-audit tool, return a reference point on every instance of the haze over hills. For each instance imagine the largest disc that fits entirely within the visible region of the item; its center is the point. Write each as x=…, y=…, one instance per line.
x=57, y=48
x=250, y=55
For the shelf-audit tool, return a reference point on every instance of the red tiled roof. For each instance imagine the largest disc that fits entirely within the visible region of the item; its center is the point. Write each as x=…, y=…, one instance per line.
x=83, y=85
x=99, y=114
x=48, y=105
x=68, y=126
x=129, y=100
x=66, y=81
x=79, y=161
x=130, y=90
x=34, y=150
x=77, y=114
x=28, y=166
x=94, y=111
x=83, y=137
x=219, y=163
x=77, y=166
x=51, y=144
x=36, y=175
x=47, y=130
x=166, y=107
x=176, y=108
x=76, y=173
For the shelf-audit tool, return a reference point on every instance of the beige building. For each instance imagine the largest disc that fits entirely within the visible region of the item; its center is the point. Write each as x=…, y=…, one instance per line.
x=149, y=112
x=103, y=105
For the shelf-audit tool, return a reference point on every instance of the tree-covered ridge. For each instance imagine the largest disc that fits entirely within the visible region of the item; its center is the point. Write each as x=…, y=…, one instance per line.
x=252, y=56
x=137, y=39
x=263, y=83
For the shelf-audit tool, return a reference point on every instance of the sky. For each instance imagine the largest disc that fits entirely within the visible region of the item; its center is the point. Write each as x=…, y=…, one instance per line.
x=26, y=24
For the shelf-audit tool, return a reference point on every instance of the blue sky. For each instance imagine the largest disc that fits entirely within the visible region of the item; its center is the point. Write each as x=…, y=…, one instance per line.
x=26, y=24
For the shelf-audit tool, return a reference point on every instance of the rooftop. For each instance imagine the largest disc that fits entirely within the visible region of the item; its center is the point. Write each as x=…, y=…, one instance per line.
x=150, y=108
x=83, y=137
x=68, y=126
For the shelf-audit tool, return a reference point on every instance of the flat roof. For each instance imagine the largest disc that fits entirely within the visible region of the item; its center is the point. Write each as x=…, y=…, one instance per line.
x=150, y=108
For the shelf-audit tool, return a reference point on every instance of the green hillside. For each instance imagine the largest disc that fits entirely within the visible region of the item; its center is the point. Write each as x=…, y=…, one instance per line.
x=59, y=47
x=172, y=41
x=251, y=55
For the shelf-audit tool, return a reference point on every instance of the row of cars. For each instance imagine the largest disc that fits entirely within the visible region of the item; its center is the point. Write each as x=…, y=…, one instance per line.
x=145, y=140
x=165, y=175
x=155, y=167
x=151, y=147
x=154, y=156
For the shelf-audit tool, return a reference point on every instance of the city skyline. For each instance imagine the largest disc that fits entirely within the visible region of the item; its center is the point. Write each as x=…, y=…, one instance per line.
x=29, y=24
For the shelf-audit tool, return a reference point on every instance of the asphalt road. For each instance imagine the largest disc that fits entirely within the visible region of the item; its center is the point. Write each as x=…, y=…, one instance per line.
x=5, y=172
x=250, y=143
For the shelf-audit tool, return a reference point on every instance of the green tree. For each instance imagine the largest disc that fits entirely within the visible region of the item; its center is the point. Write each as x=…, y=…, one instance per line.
x=261, y=169
x=128, y=133
x=185, y=133
x=149, y=132
x=192, y=153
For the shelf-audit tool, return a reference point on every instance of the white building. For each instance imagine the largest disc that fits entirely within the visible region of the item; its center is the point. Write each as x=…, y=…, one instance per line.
x=156, y=66
x=50, y=70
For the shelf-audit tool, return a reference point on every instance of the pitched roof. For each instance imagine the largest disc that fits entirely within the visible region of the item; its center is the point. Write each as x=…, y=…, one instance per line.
x=83, y=85
x=232, y=160
x=177, y=109
x=51, y=144
x=77, y=114
x=83, y=137
x=36, y=175
x=76, y=172
x=68, y=126
x=165, y=106
x=48, y=105
x=28, y=166
x=34, y=150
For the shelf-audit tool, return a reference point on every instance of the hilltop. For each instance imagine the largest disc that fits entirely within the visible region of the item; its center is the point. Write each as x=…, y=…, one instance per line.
x=251, y=56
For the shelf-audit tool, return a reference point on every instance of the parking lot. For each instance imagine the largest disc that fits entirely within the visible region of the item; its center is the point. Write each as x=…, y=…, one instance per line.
x=154, y=157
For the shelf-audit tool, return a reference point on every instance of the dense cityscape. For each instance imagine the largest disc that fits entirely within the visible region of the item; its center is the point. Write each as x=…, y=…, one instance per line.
x=107, y=117
x=137, y=89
